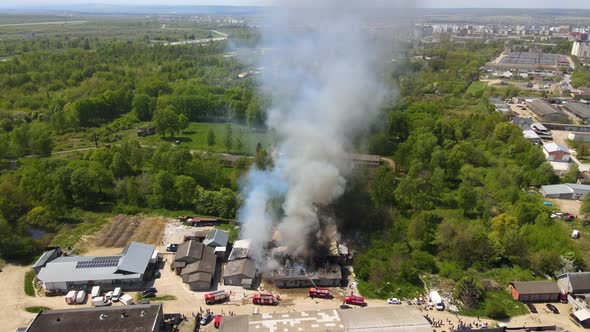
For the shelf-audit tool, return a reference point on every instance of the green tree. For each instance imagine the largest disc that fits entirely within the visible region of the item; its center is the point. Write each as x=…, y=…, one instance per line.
x=182, y=122
x=143, y=106
x=185, y=186
x=166, y=121
x=211, y=137
x=119, y=166
x=572, y=174
x=229, y=137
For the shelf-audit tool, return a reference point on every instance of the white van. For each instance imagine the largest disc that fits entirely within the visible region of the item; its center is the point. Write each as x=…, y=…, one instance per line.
x=126, y=299
x=95, y=292
x=116, y=294
x=100, y=301
x=81, y=297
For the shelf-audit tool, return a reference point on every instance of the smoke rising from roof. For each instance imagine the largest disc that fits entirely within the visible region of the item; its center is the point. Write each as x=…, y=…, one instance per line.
x=324, y=81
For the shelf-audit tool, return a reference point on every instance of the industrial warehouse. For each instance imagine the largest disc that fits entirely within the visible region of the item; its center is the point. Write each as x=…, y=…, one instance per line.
x=391, y=319
x=128, y=270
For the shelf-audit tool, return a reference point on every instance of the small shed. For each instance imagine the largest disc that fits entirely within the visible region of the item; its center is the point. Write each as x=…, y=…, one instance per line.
x=535, y=291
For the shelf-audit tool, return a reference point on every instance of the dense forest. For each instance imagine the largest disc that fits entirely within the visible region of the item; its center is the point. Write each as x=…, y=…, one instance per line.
x=460, y=204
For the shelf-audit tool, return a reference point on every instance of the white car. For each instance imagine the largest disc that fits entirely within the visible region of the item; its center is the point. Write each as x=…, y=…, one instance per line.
x=393, y=300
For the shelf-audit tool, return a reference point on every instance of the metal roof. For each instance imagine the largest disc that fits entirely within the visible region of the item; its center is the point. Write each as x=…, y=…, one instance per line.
x=131, y=265
x=536, y=287
x=556, y=189
x=43, y=259
x=244, y=267
x=190, y=248
x=580, y=281
x=554, y=147
x=136, y=257
x=216, y=238
x=392, y=318
x=581, y=110
x=139, y=317
x=530, y=134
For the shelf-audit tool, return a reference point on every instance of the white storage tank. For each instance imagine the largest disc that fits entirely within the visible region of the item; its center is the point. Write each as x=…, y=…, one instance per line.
x=71, y=297
x=95, y=291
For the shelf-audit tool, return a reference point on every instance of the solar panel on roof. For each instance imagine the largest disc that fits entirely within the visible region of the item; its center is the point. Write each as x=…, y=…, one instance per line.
x=109, y=261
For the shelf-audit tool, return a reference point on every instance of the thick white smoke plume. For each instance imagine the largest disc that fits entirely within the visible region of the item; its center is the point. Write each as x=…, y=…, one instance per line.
x=325, y=88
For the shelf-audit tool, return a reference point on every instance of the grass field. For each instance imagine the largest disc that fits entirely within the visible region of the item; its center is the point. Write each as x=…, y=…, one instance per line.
x=36, y=309
x=195, y=138
x=476, y=87
x=29, y=288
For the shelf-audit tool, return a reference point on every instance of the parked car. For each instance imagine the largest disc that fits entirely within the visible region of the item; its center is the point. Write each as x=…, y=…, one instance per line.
x=150, y=290
x=206, y=319
x=148, y=295
x=552, y=308
x=172, y=247
x=532, y=308
x=393, y=300
x=345, y=306
x=217, y=321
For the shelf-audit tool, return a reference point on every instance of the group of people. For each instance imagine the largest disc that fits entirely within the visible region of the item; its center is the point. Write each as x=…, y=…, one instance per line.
x=459, y=326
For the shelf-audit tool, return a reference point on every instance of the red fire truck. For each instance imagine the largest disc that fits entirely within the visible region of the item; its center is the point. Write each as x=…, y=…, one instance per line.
x=216, y=297
x=356, y=300
x=265, y=299
x=320, y=292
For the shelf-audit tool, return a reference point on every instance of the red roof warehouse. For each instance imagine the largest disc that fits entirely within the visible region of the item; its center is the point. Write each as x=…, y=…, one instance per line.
x=535, y=291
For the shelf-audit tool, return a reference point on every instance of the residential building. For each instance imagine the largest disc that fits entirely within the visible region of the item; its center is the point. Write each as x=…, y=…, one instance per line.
x=390, y=318
x=574, y=282
x=581, y=49
x=240, y=272
x=565, y=191
x=556, y=152
x=531, y=136
x=47, y=257
x=534, y=291
x=545, y=111
x=139, y=317
x=128, y=270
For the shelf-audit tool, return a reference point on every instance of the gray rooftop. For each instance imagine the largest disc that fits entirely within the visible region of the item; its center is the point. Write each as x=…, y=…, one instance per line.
x=136, y=257
x=245, y=267
x=216, y=238
x=536, y=287
x=190, y=248
x=556, y=189
x=541, y=107
x=88, y=268
x=44, y=258
x=530, y=58
x=392, y=318
x=579, y=109
x=139, y=317
x=580, y=281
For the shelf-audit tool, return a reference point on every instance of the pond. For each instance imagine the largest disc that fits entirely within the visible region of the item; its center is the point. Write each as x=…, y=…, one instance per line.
x=36, y=233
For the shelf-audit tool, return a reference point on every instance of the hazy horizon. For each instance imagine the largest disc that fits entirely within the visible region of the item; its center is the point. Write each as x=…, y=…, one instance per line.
x=455, y=4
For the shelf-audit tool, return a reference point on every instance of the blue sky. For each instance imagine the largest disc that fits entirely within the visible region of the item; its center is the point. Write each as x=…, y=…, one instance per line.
x=420, y=3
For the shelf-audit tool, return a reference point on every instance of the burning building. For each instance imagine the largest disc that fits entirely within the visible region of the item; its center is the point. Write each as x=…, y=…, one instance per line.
x=296, y=275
